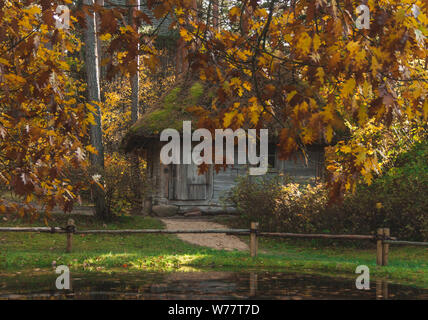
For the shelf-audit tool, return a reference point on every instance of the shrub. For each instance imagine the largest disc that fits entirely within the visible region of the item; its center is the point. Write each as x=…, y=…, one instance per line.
x=118, y=184
x=255, y=199
x=398, y=200
x=277, y=203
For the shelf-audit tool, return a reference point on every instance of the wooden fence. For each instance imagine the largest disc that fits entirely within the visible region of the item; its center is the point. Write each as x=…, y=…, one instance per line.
x=382, y=237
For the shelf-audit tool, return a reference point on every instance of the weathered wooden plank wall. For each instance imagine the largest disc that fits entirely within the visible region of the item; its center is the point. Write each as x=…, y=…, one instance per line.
x=182, y=186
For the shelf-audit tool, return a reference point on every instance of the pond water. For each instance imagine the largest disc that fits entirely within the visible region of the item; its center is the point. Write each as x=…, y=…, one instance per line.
x=203, y=285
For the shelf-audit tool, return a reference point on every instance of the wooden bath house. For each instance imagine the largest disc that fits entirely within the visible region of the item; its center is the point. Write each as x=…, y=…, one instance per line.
x=178, y=187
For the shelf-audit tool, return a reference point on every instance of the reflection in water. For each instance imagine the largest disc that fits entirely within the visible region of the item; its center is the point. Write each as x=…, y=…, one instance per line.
x=253, y=284
x=381, y=290
x=204, y=285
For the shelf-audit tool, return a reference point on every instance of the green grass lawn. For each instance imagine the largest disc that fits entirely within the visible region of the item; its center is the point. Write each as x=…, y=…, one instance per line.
x=21, y=252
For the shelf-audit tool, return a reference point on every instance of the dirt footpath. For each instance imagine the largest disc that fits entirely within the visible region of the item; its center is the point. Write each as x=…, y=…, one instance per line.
x=219, y=241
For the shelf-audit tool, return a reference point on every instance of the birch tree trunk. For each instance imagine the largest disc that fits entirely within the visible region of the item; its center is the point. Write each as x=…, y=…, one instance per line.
x=93, y=83
x=100, y=49
x=136, y=184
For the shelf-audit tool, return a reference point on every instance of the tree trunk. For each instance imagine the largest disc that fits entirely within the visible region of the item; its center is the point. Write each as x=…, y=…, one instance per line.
x=100, y=49
x=136, y=184
x=93, y=82
x=216, y=24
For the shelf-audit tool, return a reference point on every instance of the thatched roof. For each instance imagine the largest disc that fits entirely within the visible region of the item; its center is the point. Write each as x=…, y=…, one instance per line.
x=170, y=112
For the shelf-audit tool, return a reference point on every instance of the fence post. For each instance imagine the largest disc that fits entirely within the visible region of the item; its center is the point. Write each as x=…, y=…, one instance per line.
x=253, y=284
x=379, y=249
x=385, y=247
x=70, y=230
x=253, y=239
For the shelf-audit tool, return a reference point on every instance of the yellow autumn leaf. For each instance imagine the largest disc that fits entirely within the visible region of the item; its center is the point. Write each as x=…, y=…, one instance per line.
x=329, y=133
x=316, y=42
x=235, y=11
x=14, y=78
x=368, y=177
x=121, y=55
x=186, y=35
x=91, y=149
x=291, y=95
x=239, y=119
x=242, y=55
x=362, y=115
x=254, y=115
x=353, y=47
x=308, y=136
x=304, y=43
x=320, y=74
x=328, y=112
x=235, y=82
x=348, y=185
x=105, y=37
x=346, y=149
x=33, y=10
x=247, y=85
x=4, y=62
x=361, y=157
x=227, y=120
x=348, y=87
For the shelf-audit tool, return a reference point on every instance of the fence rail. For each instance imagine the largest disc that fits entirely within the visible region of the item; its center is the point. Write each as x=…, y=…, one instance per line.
x=382, y=237
x=317, y=236
x=157, y=231
x=36, y=229
x=409, y=243
x=123, y=231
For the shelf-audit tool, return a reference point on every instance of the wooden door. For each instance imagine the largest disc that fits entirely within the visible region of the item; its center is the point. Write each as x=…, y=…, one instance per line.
x=187, y=184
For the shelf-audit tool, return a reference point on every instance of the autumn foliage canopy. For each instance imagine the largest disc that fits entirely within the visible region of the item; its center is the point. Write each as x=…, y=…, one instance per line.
x=301, y=67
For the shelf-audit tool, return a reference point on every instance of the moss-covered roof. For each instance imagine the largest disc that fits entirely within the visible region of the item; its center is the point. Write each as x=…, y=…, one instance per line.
x=170, y=112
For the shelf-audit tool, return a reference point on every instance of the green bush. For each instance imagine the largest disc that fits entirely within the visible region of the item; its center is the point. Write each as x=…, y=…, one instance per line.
x=398, y=200
x=118, y=186
x=277, y=203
